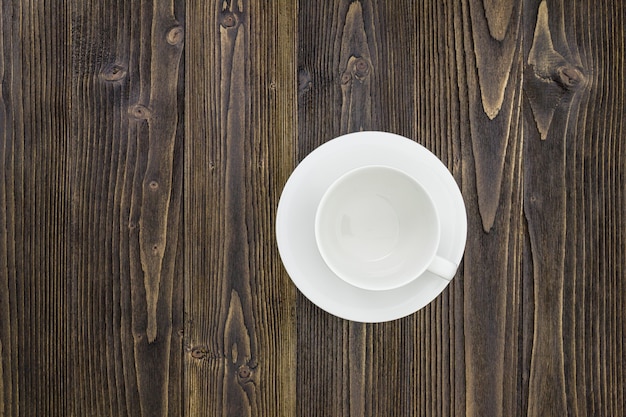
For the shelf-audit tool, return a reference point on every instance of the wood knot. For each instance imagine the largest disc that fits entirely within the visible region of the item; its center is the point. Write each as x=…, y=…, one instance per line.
x=361, y=68
x=139, y=112
x=569, y=77
x=113, y=72
x=199, y=352
x=154, y=185
x=175, y=35
x=244, y=372
x=229, y=20
x=346, y=78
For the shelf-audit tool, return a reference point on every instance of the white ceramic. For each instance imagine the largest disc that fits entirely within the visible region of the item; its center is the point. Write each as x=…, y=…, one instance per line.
x=295, y=224
x=377, y=228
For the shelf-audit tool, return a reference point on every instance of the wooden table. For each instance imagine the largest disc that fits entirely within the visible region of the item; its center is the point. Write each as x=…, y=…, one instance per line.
x=143, y=149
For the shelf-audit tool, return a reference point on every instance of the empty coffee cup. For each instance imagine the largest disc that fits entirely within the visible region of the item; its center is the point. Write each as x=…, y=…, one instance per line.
x=377, y=228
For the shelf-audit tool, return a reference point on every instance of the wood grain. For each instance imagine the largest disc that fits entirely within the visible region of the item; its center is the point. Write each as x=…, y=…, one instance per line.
x=124, y=122
x=239, y=150
x=340, y=66
x=465, y=104
x=492, y=169
x=74, y=304
x=545, y=186
x=410, y=94
x=143, y=149
x=574, y=270
x=34, y=210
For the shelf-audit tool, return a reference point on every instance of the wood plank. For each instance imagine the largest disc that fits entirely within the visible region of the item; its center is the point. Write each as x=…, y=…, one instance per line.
x=574, y=115
x=424, y=81
x=34, y=208
x=126, y=306
x=492, y=169
x=67, y=343
x=239, y=327
x=401, y=91
x=337, y=68
x=545, y=212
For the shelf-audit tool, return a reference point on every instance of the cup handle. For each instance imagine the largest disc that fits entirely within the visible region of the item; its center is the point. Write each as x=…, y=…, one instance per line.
x=443, y=267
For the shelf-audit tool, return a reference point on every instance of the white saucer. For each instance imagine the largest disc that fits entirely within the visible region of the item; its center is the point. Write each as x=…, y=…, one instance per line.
x=295, y=224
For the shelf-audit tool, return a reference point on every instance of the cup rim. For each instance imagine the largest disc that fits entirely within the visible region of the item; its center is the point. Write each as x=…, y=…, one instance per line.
x=407, y=277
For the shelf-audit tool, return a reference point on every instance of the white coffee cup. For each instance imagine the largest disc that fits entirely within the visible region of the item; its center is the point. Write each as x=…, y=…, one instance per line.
x=377, y=228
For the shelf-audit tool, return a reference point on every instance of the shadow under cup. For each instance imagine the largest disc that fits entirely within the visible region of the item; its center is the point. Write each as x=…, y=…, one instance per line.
x=377, y=228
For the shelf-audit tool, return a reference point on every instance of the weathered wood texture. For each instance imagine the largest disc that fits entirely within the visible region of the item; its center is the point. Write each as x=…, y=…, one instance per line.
x=143, y=149
x=239, y=151
x=36, y=332
x=125, y=162
x=91, y=282
x=574, y=167
x=430, y=77
x=533, y=137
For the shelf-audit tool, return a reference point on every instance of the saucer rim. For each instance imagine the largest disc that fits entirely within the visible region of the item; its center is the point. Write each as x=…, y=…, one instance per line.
x=304, y=184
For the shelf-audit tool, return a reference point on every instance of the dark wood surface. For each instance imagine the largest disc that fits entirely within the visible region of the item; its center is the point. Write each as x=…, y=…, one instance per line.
x=143, y=149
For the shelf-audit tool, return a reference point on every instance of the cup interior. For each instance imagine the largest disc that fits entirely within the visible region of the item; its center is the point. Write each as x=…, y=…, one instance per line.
x=377, y=228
